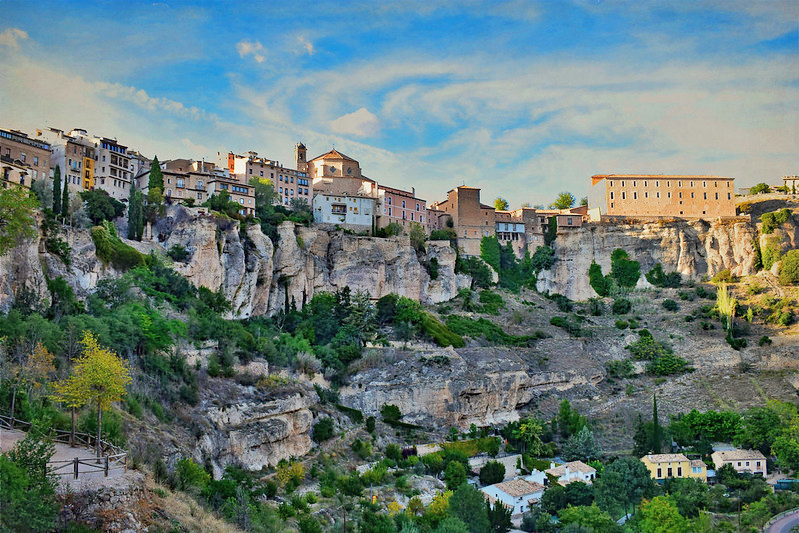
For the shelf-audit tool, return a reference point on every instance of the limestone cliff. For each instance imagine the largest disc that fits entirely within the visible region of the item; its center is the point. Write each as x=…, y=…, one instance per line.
x=693, y=248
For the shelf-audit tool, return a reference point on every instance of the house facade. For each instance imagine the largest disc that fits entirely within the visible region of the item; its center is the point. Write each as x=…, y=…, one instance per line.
x=353, y=212
x=516, y=494
x=23, y=159
x=751, y=461
x=572, y=471
x=289, y=184
x=74, y=153
x=661, y=196
x=400, y=207
x=667, y=465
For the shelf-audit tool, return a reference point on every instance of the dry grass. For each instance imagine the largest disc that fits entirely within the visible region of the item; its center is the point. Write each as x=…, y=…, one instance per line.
x=177, y=507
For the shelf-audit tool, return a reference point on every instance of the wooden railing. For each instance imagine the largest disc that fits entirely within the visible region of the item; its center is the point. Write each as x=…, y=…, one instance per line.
x=112, y=458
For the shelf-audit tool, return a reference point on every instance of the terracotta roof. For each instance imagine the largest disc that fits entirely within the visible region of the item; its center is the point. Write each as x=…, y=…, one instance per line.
x=740, y=455
x=574, y=466
x=334, y=154
x=665, y=458
x=519, y=487
x=697, y=462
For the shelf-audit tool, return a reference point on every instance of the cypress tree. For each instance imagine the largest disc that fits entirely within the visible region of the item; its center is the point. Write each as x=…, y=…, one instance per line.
x=657, y=437
x=135, y=213
x=57, y=190
x=65, y=201
x=156, y=176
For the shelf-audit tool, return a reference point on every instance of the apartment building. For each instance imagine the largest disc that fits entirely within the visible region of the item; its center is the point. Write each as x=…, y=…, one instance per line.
x=399, y=206
x=472, y=220
x=662, y=466
x=658, y=196
x=23, y=160
x=289, y=184
x=113, y=171
x=186, y=179
x=351, y=211
x=74, y=153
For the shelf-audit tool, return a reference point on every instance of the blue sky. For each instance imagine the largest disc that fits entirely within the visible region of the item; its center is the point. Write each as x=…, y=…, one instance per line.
x=523, y=99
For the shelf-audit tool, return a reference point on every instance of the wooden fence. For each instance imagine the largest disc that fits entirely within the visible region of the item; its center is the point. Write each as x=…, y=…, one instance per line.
x=112, y=458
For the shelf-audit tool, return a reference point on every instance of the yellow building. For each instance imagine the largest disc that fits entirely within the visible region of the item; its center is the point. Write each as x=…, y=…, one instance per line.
x=665, y=465
x=88, y=173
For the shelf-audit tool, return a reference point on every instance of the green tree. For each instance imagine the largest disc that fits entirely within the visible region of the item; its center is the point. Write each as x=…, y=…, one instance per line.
x=135, y=213
x=17, y=222
x=65, y=208
x=452, y=525
x=417, y=237
x=57, y=191
x=101, y=206
x=660, y=515
x=625, y=271
x=489, y=252
x=499, y=517
x=98, y=377
x=492, y=472
x=588, y=516
x=786, y=449
x=598, y=282
x=155, y=207
x=529, y=432
x=468, y=504
x=760, y=188
x=27, y=498
x=454, y=475
x=657, y=433
x=156, y=179
x=581, y=446
x=501, y=204
x=622, y=485
x=565, y=200
x=789, y=270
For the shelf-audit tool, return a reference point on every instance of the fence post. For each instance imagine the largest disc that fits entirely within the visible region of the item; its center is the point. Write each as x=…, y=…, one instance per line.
x=106, y=466
x=75, y=466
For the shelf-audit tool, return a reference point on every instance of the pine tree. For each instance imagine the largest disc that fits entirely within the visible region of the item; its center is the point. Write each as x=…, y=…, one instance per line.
x=156, y=176
x=135, y=213
x=65, y=201
x=657, y=437
x=57, y=190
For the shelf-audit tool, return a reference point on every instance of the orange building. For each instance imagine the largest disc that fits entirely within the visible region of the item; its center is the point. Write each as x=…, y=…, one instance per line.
x=659, y=195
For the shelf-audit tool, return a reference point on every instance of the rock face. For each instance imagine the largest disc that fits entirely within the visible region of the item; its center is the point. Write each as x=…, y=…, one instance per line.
x=444, y=387
x=692, y=248
x=253, y=427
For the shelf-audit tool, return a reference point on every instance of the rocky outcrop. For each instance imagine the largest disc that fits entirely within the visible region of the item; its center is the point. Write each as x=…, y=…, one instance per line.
x=447, y=282
x=444, y=387
x=254, y=427
x=693, y=248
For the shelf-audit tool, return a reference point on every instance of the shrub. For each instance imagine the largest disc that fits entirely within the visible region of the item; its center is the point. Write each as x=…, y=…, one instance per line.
x=770, y=254
x=771, y=221
x=543, y=258
x=323, y=430
x=390, y=412
x=659, y=278
x=178, y=253
x=724, y=276
x=190, y=477
x=485, y=328
x=789, y=270
x=619, y=368
x=110, y=249
x=623, y=270
x=764, y=341
x=492, y=472
x=670, y=305
x=564, y=304
x=595, y=307
x=622, y=306
x=490, y=252
x=569, y=325
x=598, y=282
x=736, y=344
x=760, y=188
x=622, y=324
x=446, y=234
x=491, y=302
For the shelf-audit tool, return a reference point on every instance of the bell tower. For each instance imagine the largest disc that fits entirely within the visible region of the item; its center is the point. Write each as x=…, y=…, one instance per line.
x=300, y=153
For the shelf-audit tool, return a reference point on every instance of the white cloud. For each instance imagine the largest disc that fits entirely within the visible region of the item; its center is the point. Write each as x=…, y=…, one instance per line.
x=12, y=36
x=361, y=123
x=253, y=48
x=307, y=45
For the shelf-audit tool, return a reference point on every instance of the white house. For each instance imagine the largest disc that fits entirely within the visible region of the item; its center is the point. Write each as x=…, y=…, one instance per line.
x=752, y=461
x=351, y=211
x=516, y=494
x=573, y=471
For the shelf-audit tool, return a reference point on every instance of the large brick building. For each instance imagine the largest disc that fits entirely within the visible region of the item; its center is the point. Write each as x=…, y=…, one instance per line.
x=658, y=196
x=290, y=184
x=23, y=160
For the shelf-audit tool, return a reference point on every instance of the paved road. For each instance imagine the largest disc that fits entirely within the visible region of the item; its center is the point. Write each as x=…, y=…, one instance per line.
x=785, y=524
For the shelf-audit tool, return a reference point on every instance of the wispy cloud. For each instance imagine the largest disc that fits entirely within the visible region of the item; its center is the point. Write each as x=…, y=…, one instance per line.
x=12, y=37
x=251, y=48
x=307, y=46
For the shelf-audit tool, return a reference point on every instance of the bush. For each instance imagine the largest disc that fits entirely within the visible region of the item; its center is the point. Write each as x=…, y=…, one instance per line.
x=595, y=307
x=190, y=477
x=490, y=252
x=789, y=270
x=622, y=324
x=178, y=253
x=771, y=221
x=485, y=328
x=760, y=188
x=624, y=271
x=670, y=305
x=619, y=369
x=110, y=249
x=598, y=282
x=390, y=412
x=724, y=276
x=622, y=306
x=491, y=302
x=492, y=472
x=446, y=234
x=569, y=325
x=323, y=430
x=543, y=258
x=764, y=341
x=771, y=253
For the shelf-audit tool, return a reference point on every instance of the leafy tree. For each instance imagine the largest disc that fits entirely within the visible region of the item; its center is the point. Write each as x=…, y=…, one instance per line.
x=689, y=495
x=660, y=515
x=490, y=252
x=323, y=430
x=100, y=206
x=452, y=525
x=584, y=201
x=598, y=282
x=57, y=190
x=98, y=377
x=623, y=270
x=454, y=475
x=156, y=179
x=565, y=200
x=551, y=232
x=759, y=428
x=499, y=517
x=155, y=207
x=529, y=433
x=17, y=206
x=468, y=504
x=570, y=421
x=786, y=448
x=501, y=204
x=65, y=208
x=492, y=472
x=789, y=270
x=417, y=237
x=543, y=258
x=28, y=499
x=590, y=517
x=760, y=188
x=581, y=446
x=390, y=412
x=623, y=483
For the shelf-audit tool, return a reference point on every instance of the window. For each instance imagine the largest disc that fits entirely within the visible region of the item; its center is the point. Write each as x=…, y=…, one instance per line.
x=668, y=194
x=692, y=195
x=623, y=195
x=180, y=183
x=22, y=156
x=680, y=194
x=660, y=473
x=250, y=171
x=729, y=196
x=417, y=207
x=679, y=471
x=635, y=196
x=35, y=160
x=611, y=195
x=262, y=173
x=705, y=196
x=657, y=194
x=669, y=472
x=569, y=221
x=403, y=204
x=704, y=184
